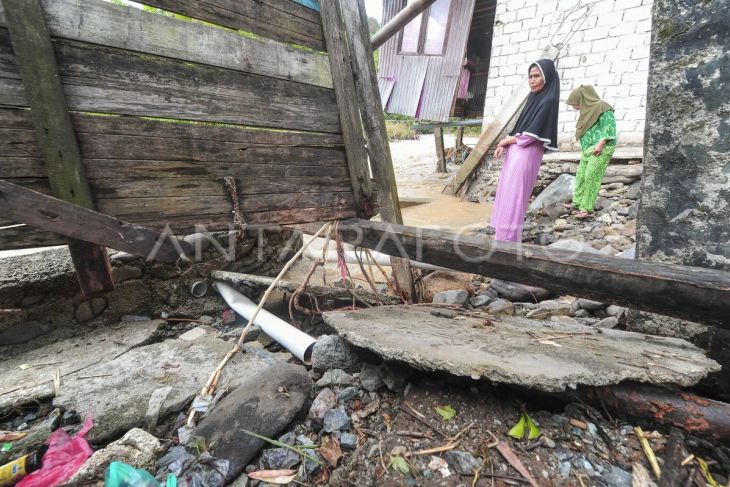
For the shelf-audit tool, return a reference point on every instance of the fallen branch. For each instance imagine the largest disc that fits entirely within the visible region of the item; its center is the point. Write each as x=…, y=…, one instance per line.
x=648, y=452
x=209, y=386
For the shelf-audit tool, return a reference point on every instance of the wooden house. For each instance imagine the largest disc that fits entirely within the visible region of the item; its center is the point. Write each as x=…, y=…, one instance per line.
x=437, y=65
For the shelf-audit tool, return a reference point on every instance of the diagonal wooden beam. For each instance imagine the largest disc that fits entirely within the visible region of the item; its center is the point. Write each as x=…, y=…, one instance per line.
x=48, y=213
x=695, y=293
x=34, y=53
x=409, y=13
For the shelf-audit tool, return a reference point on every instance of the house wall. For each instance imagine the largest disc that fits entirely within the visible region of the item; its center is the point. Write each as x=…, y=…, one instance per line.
x=608, y=48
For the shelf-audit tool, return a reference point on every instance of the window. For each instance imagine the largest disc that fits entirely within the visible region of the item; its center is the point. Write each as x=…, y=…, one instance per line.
x=426, y=34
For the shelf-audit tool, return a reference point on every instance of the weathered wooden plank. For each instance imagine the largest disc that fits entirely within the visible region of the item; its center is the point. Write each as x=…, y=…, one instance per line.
x=698, y=294
x=21, y=237
x=134, y=209
x=349, y=110
x=251, y=16
x=110, y=80
x=172, y=187
x=76, y=222
x=373, y=120
x=31, y=42
x=11, y=118
x=24, y=167
x=108, y=24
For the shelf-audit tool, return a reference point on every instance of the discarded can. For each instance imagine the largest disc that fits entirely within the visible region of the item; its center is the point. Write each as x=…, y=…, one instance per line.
x=12, y=472
x=199, y=289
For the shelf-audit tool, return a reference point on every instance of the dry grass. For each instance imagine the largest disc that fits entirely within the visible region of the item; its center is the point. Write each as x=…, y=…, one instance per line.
x=400, y=131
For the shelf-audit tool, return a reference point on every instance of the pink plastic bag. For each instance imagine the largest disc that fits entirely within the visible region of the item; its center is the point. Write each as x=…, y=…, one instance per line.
x=64, y=458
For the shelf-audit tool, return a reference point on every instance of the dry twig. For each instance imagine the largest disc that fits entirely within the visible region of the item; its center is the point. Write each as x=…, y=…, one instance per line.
x=648, y=451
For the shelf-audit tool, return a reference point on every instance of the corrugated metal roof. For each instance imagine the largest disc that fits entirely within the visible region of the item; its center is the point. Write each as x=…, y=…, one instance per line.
x=431, y=79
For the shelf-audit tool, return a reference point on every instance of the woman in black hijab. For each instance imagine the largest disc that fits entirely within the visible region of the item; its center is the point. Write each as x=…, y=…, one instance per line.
x=535, y=132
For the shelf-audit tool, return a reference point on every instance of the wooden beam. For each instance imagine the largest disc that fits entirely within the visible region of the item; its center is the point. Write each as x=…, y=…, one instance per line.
x=409, y=13
x=45, y=212
x=459, y=137
x=36, y=60
x=373, y=120
x=343, y=80
x=489, y=138
x=438, y=135
x=698, y=294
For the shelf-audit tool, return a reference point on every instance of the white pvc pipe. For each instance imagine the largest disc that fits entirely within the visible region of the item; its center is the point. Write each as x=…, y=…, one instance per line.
x=351, y=258
x=296, y=341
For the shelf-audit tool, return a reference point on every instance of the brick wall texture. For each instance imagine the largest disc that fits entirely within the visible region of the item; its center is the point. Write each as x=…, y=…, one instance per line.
x=607, y=47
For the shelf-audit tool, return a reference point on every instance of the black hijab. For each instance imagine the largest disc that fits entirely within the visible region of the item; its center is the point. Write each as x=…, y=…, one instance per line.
x=539, y=118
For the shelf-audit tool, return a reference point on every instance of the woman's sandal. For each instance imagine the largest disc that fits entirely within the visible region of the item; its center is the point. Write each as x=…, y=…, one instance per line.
x=568, y=206
x=582, y=215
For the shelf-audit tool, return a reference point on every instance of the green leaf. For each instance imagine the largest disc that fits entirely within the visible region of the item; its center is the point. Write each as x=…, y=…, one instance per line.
x=533, y=430
x=399, y=464
x=446, y=412
x=518, y=430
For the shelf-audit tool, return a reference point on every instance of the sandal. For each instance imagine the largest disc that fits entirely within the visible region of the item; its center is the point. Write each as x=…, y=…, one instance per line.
x=582, y=215
x=568, y=206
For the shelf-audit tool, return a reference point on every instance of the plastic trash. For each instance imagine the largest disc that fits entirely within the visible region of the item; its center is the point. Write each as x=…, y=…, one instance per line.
x=119, y=474
x=64, y=458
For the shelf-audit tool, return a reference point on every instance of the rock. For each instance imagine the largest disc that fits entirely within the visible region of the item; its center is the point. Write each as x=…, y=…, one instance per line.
x=561, y=225
x=606, y=219
x=370, y=378
x=464, y=463
x=452, y=296
x=601, y=203
x=333, y=352
x=125, y=273
x=348, y=441
x=555, y=210
x=629, y=229
x=558, y=191
x=500, y=306
x=634, y=191
x=98, y=305
x=324, y=401
x=616, y=311
x=563, y=319
x=439, y=281
x=633, y=212
x=241, y=481
x=519, y=292
x=615, y=477
x=589, y=305
x=395, y=377
x=304, y=440
x=347, y=394
x=581, y=313
x=83, y=312
x=311, y=466
x=136, y=448
x=335, y=377
x=481, y=300
x=607, y=323
x=280, y=458
x=547, y=442
x=565, y=468
x=257, y=405
x=573, y=246
x=547, y=309
x=288, y=438
x=629, y=253
x=335, y=420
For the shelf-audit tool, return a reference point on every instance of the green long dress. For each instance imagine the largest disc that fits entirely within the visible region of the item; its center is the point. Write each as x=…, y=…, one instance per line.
x=591, y=167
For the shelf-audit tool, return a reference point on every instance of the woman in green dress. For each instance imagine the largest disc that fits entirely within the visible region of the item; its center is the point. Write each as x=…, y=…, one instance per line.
x=596, y=130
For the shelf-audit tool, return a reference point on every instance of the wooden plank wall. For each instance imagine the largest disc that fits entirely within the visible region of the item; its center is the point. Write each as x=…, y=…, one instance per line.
x=165, y=106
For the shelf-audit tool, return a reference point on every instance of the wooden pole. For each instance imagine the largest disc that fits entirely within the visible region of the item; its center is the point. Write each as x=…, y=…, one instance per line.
x=399, y=21
x=438, y=135
x=459, y=136
x=371, y=111
x=698, y=294
x=343, y=80
x=42, y=211
x=34, y=53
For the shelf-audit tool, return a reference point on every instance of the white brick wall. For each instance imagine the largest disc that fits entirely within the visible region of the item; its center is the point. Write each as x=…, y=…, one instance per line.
x=609, y=49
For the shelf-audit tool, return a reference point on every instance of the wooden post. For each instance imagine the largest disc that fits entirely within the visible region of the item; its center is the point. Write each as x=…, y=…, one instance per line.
x=48, y=213
x=371, y=111
x=438, y=135
x=459, y=137
x=409, y=13
x=343, y=80
x=34, y=54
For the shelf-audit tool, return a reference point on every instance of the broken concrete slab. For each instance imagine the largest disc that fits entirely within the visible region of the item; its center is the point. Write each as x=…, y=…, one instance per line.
x=27, y=374
x=548, y=356
x=118, y=391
